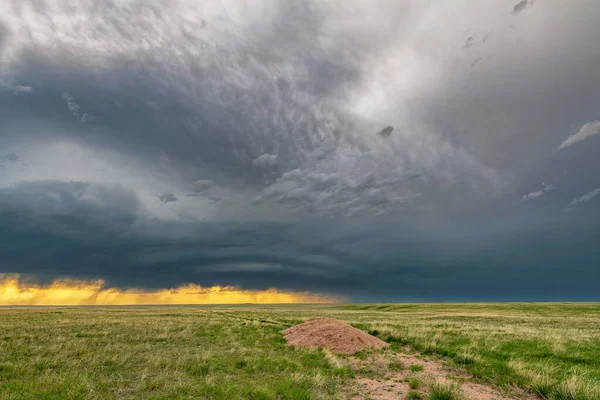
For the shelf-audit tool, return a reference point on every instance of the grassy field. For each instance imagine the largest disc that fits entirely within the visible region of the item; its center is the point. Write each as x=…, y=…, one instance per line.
x=236, y=352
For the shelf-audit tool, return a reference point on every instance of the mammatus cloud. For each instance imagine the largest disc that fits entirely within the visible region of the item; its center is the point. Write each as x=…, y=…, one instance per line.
x=539, y=193
x=586, y=131
x=15, y=291
x=244, y=125
x=586, y=197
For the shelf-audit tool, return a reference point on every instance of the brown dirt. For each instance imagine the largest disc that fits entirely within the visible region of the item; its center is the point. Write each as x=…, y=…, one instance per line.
x=384, y=374
x=332, y=334
x=377, y=382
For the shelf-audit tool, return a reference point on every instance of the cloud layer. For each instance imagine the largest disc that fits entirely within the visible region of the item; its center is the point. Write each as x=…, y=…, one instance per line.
x=229, y=143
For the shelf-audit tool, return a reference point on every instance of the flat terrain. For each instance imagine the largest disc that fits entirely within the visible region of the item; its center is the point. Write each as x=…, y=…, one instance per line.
x=236, y=352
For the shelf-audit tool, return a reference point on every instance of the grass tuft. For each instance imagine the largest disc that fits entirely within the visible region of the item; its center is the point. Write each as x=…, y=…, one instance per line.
x=416, y=368
x=414, y=395
x=574, y=389
x=414, y=382
x=396, y=366
x=444, y=391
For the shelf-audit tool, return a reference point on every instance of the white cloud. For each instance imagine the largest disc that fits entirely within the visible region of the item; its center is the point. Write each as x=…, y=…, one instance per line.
x=532, y=195
x=586, y=197
x=23, y=89
x=539, y=193
x=75, y=109
x=265, y=160
x=17, y=89
x=588, y=130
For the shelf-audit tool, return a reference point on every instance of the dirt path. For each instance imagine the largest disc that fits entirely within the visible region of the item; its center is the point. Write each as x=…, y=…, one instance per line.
x=386, y=375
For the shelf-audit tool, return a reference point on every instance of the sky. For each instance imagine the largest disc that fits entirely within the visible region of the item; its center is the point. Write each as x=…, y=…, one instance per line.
x=155, y=147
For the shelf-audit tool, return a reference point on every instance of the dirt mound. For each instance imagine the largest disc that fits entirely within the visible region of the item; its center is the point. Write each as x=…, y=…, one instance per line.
x=332, y=334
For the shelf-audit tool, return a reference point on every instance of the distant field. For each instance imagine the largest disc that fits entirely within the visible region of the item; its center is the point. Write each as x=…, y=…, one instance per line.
x=233, y=352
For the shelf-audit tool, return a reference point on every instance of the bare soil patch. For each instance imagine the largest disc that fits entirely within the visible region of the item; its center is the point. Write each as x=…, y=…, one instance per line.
x=385, y=376
x=332, y=334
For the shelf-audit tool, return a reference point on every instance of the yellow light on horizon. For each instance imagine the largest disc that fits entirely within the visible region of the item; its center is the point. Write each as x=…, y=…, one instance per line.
x=14, y=291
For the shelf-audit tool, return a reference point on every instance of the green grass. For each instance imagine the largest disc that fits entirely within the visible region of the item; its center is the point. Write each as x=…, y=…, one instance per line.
x=414, y=395
x=416, y=368
x=552, y=349
x=236, y=352
x=155, y=353
x=396, y=366
x=444, y=392
x=414, y=382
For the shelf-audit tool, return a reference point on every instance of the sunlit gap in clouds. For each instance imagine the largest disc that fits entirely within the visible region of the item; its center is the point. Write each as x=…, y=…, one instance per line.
x=16, y=291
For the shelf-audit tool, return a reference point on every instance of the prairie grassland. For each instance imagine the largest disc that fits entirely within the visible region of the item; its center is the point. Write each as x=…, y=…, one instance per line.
x=154, y=353
x=233, y=352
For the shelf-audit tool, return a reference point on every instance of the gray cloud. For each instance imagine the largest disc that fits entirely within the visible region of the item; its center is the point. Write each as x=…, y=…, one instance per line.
x=77, y=233
x=264, y=116
x=127, y=249
x=303, y=130
x=334, y=192
x=167, y=198
x=68, y=209
x=385, y=132
x=522, y=5
x=11, y=157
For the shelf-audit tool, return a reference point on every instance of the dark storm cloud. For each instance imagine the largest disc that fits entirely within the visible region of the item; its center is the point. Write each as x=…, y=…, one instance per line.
x=232, y=115
x=80, y=235
x=255, y=123
x=104, y=205
x=216, y=123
